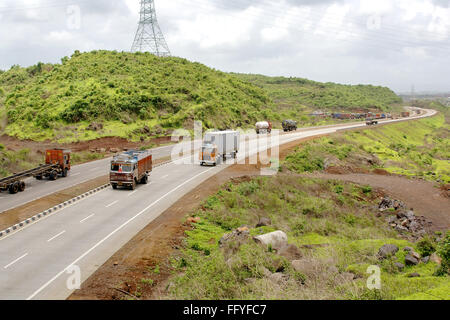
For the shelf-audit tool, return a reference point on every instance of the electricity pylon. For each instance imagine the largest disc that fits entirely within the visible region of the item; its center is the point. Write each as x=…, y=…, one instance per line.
x=149, y=37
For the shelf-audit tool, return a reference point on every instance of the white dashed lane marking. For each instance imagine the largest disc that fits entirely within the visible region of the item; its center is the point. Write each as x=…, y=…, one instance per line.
x=59, y=234
x=15, y=261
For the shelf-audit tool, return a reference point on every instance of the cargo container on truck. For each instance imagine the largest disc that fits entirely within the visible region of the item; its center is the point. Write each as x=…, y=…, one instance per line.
x=130, y=168
x=218, y=145
x=263, y=127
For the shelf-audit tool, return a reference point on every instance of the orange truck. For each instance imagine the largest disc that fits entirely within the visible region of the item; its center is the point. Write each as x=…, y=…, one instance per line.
x=130, y=168
x=57, y=163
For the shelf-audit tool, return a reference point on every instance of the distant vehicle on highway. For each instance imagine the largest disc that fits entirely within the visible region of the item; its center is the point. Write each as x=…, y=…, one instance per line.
x=130, y=168
x=371, y=122
x=218, y=145
x=263, y=127
x=289, y=125
x=57, y=163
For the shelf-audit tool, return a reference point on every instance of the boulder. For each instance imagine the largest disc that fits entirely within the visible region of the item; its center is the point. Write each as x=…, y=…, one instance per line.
x=425, y=259
x=387, y=251
x=290, y=252
x=276, y=240
x=192, y=220
x=278, y=277
x=309, y=267
x=416, y=255
x=400, y=266
x=408, y=249
x=94, y=126
x=411, y=260
x=413, y=275
x=232, y=241
x=264, y=222
x=436, y=259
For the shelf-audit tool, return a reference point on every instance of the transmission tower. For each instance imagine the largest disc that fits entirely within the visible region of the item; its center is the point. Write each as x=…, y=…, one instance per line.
x=149, y=37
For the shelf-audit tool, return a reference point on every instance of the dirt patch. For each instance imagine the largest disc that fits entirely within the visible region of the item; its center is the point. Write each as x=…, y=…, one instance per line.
x=424, y=197
x=102, y=143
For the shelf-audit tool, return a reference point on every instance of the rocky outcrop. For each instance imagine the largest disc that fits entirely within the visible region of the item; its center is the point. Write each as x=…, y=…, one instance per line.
x=275, y=240
x=388, y=250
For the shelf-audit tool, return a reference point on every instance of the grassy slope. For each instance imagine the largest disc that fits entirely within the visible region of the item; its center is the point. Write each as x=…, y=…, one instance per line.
x=419, y=148
x=299, y=97
x=310, y=212
x=126, y=92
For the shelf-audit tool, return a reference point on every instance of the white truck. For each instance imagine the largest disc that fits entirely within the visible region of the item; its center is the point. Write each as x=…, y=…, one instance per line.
x=218, y=145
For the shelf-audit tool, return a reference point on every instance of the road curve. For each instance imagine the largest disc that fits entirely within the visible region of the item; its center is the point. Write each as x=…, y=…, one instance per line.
x=35, y=261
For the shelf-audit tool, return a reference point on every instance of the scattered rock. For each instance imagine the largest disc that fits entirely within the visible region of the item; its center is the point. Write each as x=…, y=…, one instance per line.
x=411, y=261
x=408, y=249
x=388, y=203
x=276, y=240
x=290, y=252
x=436, y=259
x=387, y=251
x=413, y=275
x=264, y=222
x=416, y=255
x=309, y=267
x=278, y=277
x=94, y=126
x=114, y=150
x=192, y=220
x=425, y=259
x=232, y=241
x=400, y=266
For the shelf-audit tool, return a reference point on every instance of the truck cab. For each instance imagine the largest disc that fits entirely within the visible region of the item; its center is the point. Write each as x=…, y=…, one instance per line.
x=209, y=154
x=60, y=157
x=371, y=122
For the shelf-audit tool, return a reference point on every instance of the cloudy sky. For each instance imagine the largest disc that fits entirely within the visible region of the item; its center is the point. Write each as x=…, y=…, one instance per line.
x=399, y=44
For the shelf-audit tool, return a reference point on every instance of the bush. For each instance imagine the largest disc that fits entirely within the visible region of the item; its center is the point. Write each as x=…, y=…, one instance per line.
x=426, y=247
x=444, y=253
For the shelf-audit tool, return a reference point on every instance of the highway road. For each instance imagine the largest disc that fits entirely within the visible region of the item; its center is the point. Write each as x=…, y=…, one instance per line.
x=34, y=260
x=85, y=172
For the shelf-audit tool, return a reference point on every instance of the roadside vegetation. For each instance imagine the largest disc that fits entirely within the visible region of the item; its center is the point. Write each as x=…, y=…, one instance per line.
x=334, y=225
x=299, y=97
x=134, y=96
x=420, y=148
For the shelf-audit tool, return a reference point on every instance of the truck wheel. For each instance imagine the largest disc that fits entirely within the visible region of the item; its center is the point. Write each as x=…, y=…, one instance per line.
x=22, y=186
x=53, y=175
x=144, y=179
x=133, y=186
x=114, y=186
x=14, y=188
x=38, y=177
x=65, y=173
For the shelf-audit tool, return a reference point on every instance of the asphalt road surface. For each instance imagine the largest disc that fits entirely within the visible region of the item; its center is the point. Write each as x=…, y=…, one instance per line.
x=42, y=260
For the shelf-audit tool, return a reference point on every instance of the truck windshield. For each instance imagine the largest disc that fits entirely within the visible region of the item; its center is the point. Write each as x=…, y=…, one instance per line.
x=120, y=167
x=208, y=150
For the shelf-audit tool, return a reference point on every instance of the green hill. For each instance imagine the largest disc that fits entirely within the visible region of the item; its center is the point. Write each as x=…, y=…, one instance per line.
x=124, y=92
x=303, y=95
x=136, y=96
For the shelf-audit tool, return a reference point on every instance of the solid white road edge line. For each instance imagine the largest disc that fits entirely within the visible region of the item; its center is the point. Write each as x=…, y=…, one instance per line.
x=112, y=233
x=9, y=265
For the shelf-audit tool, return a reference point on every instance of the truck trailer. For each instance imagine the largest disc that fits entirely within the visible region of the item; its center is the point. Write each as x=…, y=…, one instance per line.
x=130, y=168
x=218, y=145
x=57, y=163
x=263, y=127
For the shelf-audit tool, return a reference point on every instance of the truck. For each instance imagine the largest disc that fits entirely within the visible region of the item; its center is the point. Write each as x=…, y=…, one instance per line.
x=289, y=125
x=263, y=127
x=57, y=163
x=371, y=122
x=405, y=114
x=218, y=145
x=130, y=168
